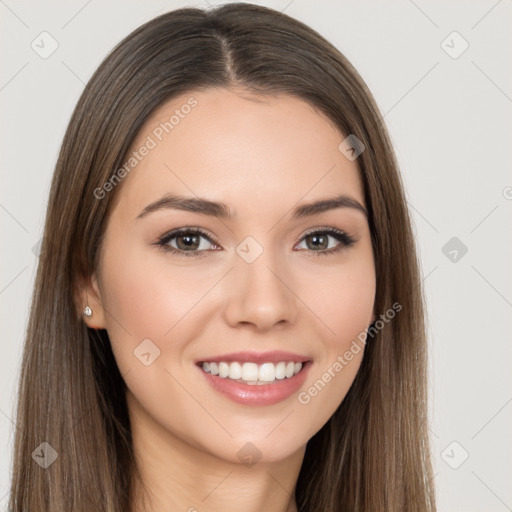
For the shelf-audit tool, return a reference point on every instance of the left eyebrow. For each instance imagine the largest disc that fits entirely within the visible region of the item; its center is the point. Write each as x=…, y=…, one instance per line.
x=324, y=205
x=223, y=211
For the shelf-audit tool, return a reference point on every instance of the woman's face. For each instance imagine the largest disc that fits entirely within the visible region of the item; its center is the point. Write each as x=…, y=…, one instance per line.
x=271, y=278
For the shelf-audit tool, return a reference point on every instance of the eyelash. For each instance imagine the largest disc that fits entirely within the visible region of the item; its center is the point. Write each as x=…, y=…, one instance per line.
x=345, y=240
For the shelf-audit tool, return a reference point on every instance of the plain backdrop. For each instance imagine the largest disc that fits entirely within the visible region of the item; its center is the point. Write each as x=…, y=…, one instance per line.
x=441, y=76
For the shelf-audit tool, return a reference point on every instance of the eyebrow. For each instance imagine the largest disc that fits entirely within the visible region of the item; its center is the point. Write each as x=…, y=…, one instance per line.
x=223, y=211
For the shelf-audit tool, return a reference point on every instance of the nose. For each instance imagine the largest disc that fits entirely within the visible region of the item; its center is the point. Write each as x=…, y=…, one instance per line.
x=260, y=294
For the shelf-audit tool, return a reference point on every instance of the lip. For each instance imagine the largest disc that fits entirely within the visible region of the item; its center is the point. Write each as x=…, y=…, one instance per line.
x=256, y=394
x=275, y=356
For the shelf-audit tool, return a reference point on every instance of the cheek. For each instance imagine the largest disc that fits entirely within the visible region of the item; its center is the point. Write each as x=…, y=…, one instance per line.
x=342, y=298
x=147, y=301
x=143, y=300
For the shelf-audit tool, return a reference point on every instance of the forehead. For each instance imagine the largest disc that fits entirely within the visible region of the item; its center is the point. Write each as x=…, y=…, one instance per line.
x=241, y=149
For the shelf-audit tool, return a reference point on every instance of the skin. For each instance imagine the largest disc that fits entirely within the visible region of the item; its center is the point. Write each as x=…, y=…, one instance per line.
x=263, y=158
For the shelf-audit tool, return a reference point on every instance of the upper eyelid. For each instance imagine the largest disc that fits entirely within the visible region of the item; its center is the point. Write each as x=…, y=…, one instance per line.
x=321, y=229
x=186, y=229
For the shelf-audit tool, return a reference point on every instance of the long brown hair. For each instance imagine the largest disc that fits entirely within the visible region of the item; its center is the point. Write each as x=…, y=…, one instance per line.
x=373, y=453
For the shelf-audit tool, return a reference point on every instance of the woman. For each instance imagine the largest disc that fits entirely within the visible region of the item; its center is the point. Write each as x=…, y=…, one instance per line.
x=227, y=312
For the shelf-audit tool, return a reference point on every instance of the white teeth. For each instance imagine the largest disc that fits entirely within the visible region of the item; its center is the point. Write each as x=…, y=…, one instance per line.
x=223, y=370
x=235, y=371
x=280, y=370
x=214, y=369
x=249, y=371
x=252, y=373
x=267, y=372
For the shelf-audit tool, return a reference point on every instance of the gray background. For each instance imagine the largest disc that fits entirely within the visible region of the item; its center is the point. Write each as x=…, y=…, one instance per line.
x=450, y=120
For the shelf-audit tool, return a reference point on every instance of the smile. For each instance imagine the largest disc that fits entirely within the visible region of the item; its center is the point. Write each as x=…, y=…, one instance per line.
x=252, y=373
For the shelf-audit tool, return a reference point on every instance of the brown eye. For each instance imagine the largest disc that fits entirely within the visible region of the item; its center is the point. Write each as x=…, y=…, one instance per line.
x=318, y=242
x=186, y=242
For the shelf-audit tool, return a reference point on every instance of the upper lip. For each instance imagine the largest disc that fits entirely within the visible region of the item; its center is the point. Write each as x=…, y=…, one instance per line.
x=274, y=356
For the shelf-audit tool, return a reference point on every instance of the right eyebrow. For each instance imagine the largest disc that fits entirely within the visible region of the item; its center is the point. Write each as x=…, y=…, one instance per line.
x=189, y=204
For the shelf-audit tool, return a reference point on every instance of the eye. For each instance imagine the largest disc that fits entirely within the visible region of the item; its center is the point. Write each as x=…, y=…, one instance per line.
x=319, y=239
x=194, y=242
x=186, y=242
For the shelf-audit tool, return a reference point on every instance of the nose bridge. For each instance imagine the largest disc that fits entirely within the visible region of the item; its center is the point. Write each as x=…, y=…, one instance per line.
x=258, y=291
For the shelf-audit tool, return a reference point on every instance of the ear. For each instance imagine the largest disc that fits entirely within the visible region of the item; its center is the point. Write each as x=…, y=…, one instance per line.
x=89, y=295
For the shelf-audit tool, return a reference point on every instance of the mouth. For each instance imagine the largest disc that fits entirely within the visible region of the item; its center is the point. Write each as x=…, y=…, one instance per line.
x=256, y=379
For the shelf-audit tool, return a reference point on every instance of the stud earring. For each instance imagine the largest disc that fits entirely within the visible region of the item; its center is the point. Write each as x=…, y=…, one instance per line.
x=87, y=311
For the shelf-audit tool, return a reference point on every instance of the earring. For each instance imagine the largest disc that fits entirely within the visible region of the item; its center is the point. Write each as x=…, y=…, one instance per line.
x=87, y=311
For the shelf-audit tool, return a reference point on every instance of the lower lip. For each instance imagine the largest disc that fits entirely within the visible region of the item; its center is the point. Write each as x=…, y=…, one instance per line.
x=258, y=394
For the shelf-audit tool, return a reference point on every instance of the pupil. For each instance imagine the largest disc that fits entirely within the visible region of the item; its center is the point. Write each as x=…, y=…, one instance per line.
x=316, y=238
x=188, y=240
